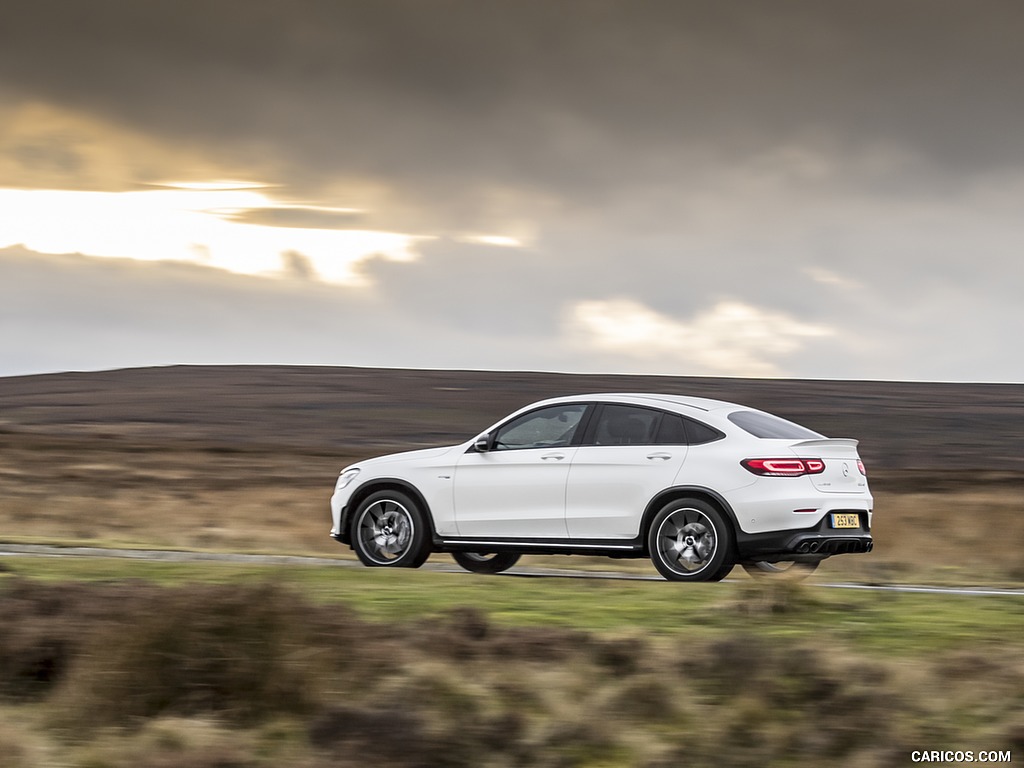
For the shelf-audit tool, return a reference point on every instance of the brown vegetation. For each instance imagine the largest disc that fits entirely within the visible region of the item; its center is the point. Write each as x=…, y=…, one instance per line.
x=131, y=674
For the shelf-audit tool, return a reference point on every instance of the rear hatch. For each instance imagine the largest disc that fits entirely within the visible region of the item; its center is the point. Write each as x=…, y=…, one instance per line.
x=842, y=469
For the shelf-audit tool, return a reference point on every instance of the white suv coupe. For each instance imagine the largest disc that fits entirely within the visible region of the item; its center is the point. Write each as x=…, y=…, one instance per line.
x=696, y=485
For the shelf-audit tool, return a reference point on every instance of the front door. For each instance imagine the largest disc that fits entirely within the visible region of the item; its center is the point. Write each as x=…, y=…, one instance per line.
x=517, y=488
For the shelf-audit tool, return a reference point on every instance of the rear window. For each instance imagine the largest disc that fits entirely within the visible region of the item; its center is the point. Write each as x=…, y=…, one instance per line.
x=765, y=425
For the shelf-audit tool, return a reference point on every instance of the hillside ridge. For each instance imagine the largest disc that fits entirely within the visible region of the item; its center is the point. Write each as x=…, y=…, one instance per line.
x=901, y=425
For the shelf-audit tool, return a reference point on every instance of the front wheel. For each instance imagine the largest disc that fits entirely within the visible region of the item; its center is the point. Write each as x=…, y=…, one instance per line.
x=689, y=540
x=390, y=530
x=486, y=562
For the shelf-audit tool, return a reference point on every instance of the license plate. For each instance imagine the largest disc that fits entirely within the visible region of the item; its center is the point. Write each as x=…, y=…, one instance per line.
x=845, y=520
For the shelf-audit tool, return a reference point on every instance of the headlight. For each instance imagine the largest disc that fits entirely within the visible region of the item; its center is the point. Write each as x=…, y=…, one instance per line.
x=345, y=478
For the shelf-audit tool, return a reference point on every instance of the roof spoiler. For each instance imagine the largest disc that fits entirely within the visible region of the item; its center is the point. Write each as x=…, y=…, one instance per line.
x=832, y=442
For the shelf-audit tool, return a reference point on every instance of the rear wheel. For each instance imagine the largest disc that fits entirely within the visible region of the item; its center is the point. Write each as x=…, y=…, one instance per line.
x=689, y=540
x=389, y=529
x=486, y=562
x=785, y=570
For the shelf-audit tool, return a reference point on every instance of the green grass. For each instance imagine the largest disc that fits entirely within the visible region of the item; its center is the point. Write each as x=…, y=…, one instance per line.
x=873, y=622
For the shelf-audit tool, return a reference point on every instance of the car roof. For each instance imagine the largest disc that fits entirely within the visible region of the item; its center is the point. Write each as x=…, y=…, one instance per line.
x=650, y=399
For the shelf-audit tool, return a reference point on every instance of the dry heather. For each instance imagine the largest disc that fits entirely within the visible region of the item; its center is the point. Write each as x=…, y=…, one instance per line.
x=130, y=674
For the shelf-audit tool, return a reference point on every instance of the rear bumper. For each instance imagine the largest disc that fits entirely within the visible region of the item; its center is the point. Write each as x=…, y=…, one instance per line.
x=814, y=543
x=831, y=545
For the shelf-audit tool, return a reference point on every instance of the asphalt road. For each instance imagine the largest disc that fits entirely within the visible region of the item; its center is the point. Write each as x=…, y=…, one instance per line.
x=179, y=556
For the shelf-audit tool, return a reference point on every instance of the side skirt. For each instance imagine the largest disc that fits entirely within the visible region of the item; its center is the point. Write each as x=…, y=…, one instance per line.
x=599, y=547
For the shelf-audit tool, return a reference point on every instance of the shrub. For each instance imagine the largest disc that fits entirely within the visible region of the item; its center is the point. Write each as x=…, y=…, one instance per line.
x=237, y=652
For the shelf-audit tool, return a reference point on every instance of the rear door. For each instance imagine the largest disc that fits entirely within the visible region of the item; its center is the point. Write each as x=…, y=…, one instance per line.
x=628, y=455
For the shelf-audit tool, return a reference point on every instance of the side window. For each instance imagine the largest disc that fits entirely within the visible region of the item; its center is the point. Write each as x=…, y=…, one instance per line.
x=673, y=430
x=676, y=430
x=626, y=425
x=699, y=434
x=544, y=428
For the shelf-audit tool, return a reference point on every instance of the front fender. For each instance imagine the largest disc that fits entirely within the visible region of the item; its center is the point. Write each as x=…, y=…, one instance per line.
x=344, y=533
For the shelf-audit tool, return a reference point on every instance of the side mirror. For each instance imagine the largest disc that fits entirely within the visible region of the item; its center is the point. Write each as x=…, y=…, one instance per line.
x=482, y=443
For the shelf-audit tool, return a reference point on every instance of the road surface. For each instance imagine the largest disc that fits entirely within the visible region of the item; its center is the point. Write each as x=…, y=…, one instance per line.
x=181, y=556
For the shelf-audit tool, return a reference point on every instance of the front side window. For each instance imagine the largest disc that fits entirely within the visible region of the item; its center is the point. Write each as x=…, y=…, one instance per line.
x=544, y=428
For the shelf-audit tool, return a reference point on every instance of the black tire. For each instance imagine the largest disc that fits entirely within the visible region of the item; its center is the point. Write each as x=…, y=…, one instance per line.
x=486, y=562
x=690, y=540
x=789, y=571
x=724, y=570
x=390, y=530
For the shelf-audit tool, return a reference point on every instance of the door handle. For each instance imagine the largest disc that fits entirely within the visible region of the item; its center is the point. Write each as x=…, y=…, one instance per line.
x=662, y=456
x=554, y=456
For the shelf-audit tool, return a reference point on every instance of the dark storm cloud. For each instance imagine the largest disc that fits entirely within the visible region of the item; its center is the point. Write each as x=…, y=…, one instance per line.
x=569, y=99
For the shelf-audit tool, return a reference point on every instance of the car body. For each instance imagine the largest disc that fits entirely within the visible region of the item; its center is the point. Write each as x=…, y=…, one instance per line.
x=697, y=485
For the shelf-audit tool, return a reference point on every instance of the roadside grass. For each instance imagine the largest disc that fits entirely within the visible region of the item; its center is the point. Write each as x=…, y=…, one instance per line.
x=115, y=664
x=903, y=624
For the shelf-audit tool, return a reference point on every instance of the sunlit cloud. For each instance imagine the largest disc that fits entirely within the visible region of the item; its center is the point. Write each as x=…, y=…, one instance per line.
x=212, y=186
x=197, y=222
x=828, y=277
x=732, y=338
x=500, y=241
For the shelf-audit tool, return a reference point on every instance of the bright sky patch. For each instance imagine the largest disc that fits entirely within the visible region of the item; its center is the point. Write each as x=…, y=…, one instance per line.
x=192, y=223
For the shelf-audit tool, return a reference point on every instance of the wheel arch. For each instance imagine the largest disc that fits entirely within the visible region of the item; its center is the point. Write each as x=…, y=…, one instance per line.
x=384, y=484
x=700, y=493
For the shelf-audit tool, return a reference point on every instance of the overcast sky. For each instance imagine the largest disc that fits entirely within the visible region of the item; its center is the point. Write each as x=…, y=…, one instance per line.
x=805, y=189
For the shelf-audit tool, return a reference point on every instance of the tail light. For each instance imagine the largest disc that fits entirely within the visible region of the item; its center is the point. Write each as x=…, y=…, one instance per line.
x=784, y=467
x=862, y=468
